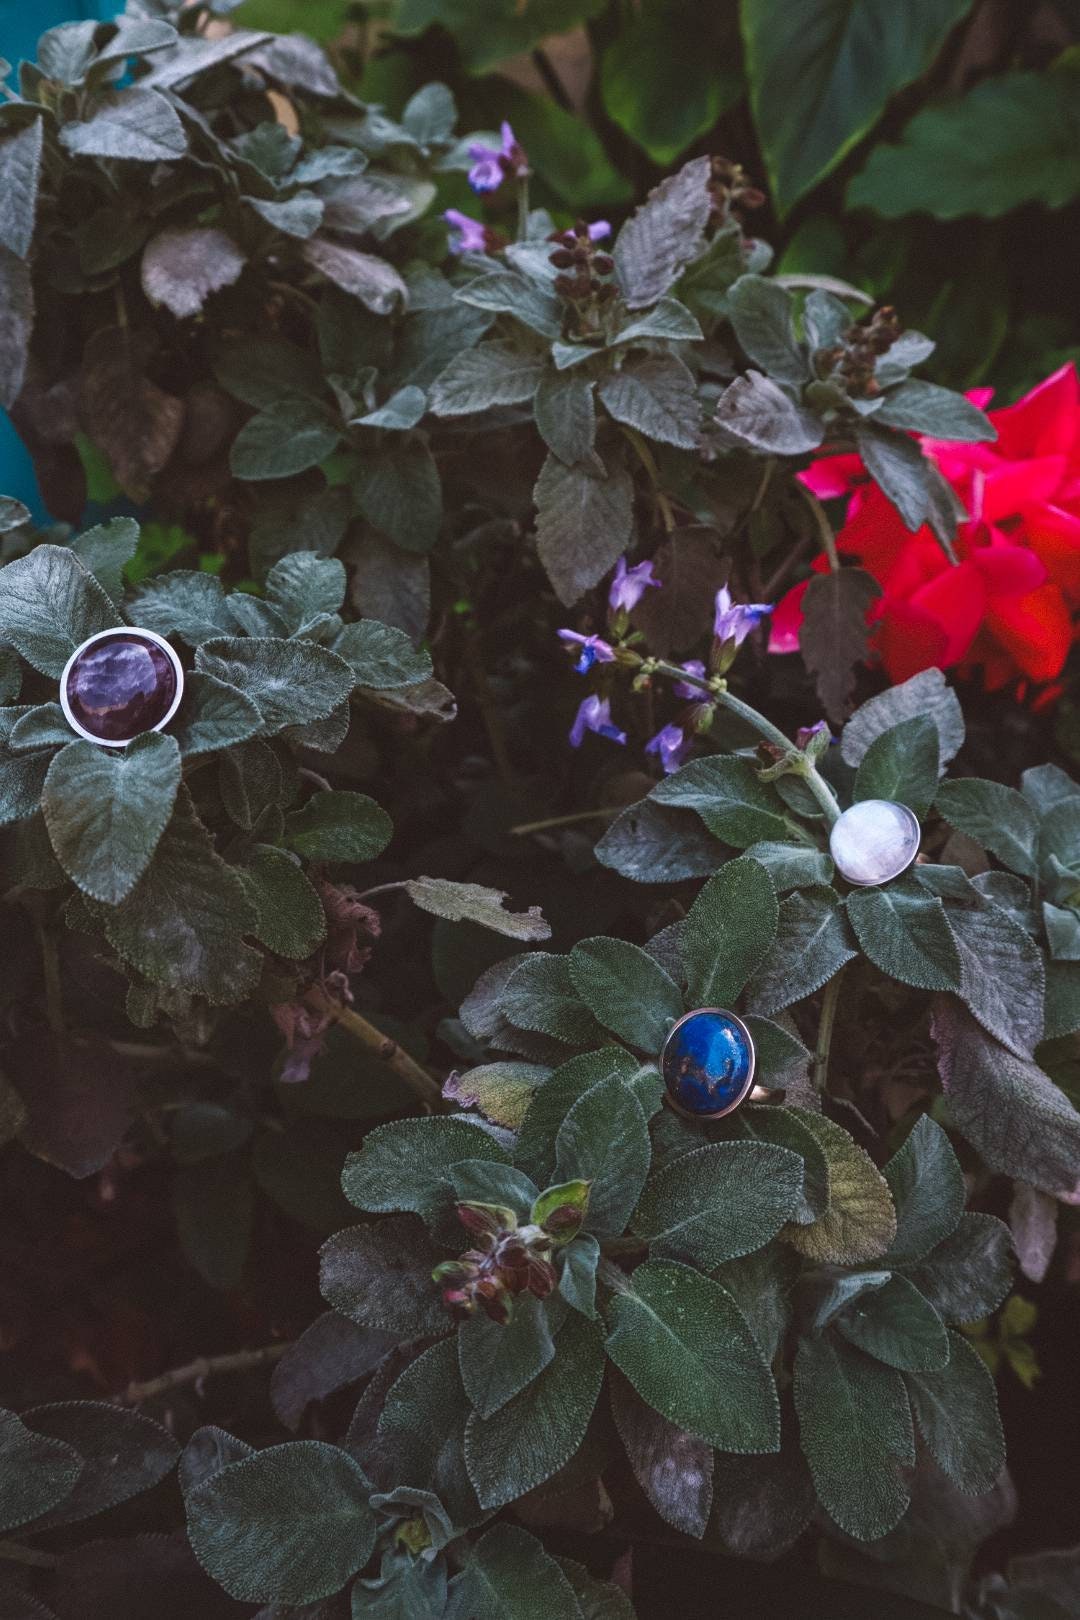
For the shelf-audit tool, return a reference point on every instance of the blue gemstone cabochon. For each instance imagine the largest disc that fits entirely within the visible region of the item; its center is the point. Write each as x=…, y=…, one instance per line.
x=707, y=1063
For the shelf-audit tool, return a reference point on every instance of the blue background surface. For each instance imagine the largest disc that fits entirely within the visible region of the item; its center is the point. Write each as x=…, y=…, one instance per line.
x=22, y=22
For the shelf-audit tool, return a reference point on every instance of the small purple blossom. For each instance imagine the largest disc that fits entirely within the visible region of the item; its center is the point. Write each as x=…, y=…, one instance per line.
x=629, y=585
x=671, y=744
x=466, y=235
x=594, y=714
x=598, y=230
x=806, y=734
x=594, y=650
x=735, y=620
x=492, y=164
x=693, y=666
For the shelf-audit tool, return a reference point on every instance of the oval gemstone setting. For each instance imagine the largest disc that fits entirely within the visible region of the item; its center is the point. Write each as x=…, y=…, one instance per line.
x=874, y=841
x=120, y=684
x=707, y=1063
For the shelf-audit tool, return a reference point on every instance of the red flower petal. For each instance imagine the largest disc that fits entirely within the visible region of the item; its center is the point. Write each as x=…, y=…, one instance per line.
x=1008, y=570
x=786, y=622
x=1035, y=630
x=910, y=640
x=1054, y=537
x=1045, y=422
x=831, y=476
x=956, y=600
x=1012, y=485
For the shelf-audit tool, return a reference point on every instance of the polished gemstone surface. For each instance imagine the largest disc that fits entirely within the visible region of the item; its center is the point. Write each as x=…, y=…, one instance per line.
x=121, y=686
x=707, y=1063
x=874, y=841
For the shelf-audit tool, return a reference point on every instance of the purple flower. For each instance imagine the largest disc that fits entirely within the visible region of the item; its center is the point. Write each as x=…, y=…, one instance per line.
x=806, y=734
x=492, y=164
x=671, y=745
x=594, y=714
x=735, y=620
x=466, y=235
x=598, y=230
x=693, y=666
x=594, y=650
x=630, y=584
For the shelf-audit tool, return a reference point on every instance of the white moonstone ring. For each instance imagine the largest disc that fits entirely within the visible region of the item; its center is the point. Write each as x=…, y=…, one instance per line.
x=874, y=841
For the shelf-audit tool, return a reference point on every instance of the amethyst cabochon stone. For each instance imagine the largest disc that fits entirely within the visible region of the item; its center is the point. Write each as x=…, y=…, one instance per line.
x=119, y=685
x=707, y=1063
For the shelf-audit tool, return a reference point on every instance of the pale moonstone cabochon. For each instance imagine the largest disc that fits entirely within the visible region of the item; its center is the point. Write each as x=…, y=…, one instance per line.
x=874, y=841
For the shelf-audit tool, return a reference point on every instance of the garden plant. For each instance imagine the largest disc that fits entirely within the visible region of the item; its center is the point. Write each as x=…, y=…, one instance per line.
x=488, y=606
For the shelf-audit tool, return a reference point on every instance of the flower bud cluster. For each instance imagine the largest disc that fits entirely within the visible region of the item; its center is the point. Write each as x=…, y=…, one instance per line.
x=505, y=1260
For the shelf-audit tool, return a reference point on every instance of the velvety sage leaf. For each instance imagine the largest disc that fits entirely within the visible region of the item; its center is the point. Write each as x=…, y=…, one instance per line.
x=415, y=1429
x=264, y=372
x=657, y=396
x=756, y=413
x=719, y=1201
x=730, y=799
x=37, y=1472
x=291, y=682
x=303, y=585
x=658, y=843
x=860, y=1221
x=1045, y=786
x=813, y=941
x=16, y=329
x=380, y=1276
x=373, y=280
x=604, y=1140
x=786, y=1128
x=402, y=411
x=284, y=438
x=400, y=494
x=969, y=1273
x=13, y=514
x=584, y=522
x=484, y=1181
x=663, y=235
x=182, y=266
x=213, y=716
x=997, y=817
x=290, y=1524
x=123, y=1454
x=520, y=296
x=475, y=903
x=20, y=171
x=673, y=1468
x=791, y=866
x=289, y=916
x=956, y=1411
x=106, y=549
x=46, y=726
x=185, y=603
x=540, y=996
x=1013, y=1114
x=828, y=1295
x=626, y=991
x=783, y=1061
x=494, y=373
x=182, y=924
x=910, y=481
x=667, y=319
x=534, y=1149
x=856, y=1432
x=896, y=1325
x=901, y=764
x=597, y=1600
x=509, y=1576
x=381, y=655
x=107, y=808
x=501, y=1091
x=209, y=1450
x=338, y=826
x=402, y=1166
x=923, y=407
x=728, y=932
x=498, y=1361
x=1003, y=975
x=577, y=1281
x=137, y=125
x=50, y=605
x=565, y=415
x=762, y=315
x=927, y=1187
x=906, y=933
x=521, y=1445
x=924, y=694
x=683, y=1343
x=761, y=1505
x=834, y=634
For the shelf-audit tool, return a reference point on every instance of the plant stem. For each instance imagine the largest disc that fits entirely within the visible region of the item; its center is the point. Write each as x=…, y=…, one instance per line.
x=382, y=1047
x=523, y=208
x=202, y=1367
x=645, y=456
x=616, y=1279
x=16, y=1553
x=566, y=821
x=829, y=1003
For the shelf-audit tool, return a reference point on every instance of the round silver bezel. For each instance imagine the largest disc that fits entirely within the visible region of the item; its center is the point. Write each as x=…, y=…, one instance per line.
x=102, y=635
x=722, y=1012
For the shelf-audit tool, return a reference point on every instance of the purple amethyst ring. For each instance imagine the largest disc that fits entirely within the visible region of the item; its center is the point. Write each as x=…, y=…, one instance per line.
x=119, y=684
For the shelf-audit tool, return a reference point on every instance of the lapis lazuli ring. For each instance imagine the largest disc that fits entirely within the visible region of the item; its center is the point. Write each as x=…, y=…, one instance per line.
x=119, y=684
x=707, y=1063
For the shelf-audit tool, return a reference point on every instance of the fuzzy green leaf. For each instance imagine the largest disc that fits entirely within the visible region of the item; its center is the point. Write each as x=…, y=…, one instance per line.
x=729, y=798
x=657, y=396
x=49, y=605
x=905, y=932
x=403, y=1166
x=604, y=1140
x=969, y=1273
x=420, y=1430
x=565, y=415
x=762, y=314
x=534, y=1149
x=924, y=694
x=719, y=1201
x=896, y=1325
x=289, y=916
x=137, y=125
x=380, y=1276
x=1003, y=973
x=901, y=764
x=509, y=1576
x=673, y=1468
x=663, y=235
x=728, y=932
x=584, y=521
x=106, y=810
x=756, y=413
x=927, y=1187
x=36, y=1473
x=213, y=716
x=381, y=656
x=540, y=996
x=339, y=826
x=497, y=1362
x=997, y=817
x=813, y=941
x=923, y=407
x=956, y=1411
x=123, y=1454
x=493, y=373
x=577, y=1283
x=20, y=170
x=626, y=991
x=400, y=493
x=860, y=1221
x=282, y=439
x=188, y=604
x=475, y=903
x=291, y=682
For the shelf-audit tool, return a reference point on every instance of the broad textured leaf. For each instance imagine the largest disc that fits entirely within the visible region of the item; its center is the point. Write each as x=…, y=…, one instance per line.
x=501, y=1091
x=399, y=492
x=626, y=991
x=403, y=1166
x=728, y=796
x=896, y=1325
x=1003, y=975
x=728, y=932
x=577, y=1283
x=657, y=396
x=922, y=407
x=924, y=694
x=534, y=1149
x=683, y=1343
x=787, y=1128
x=106, y=549
x=330, y=1354
x=289, y=1524
x=756, y=413
x=956, y=1411
x=291, y=682
x=856, y=1432
x=374, y=281
x=498, y=1361
x=658, y=843
x=927, y=1187
x=381, y=655
x=901, y=764
x=289, y=916
x=123, y=1454
x=494, y=373
x=339, y=826
x=820, y=76
x=138, y=125
x=995, y=816
x=475, y=903
x=834, y=634
x=213, y=716
x=16, y=323
x=1019, y=1121
x=584, y=523
x=517, y=295
x=565, y=415
x=673, y=1468
x=761, y=1505
x=380, y=1276
x=303, y=586
x=667, y=75
x=967, y=1276
x=509, y=1576
x=107, y=808
x=762, y=315
x=183, y=265
x=910, y=481
x=20, y=171
x=813, y=941
x=860, y=1221
x=718, y=1202
x=792, y=866
x=186, y=603
x=50, y=605
x=37, y=1473
x=906, y=933
x=530, y=1438
x=284, y=438
x=540, y=996
x=663, y=235
x=604, y=1140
